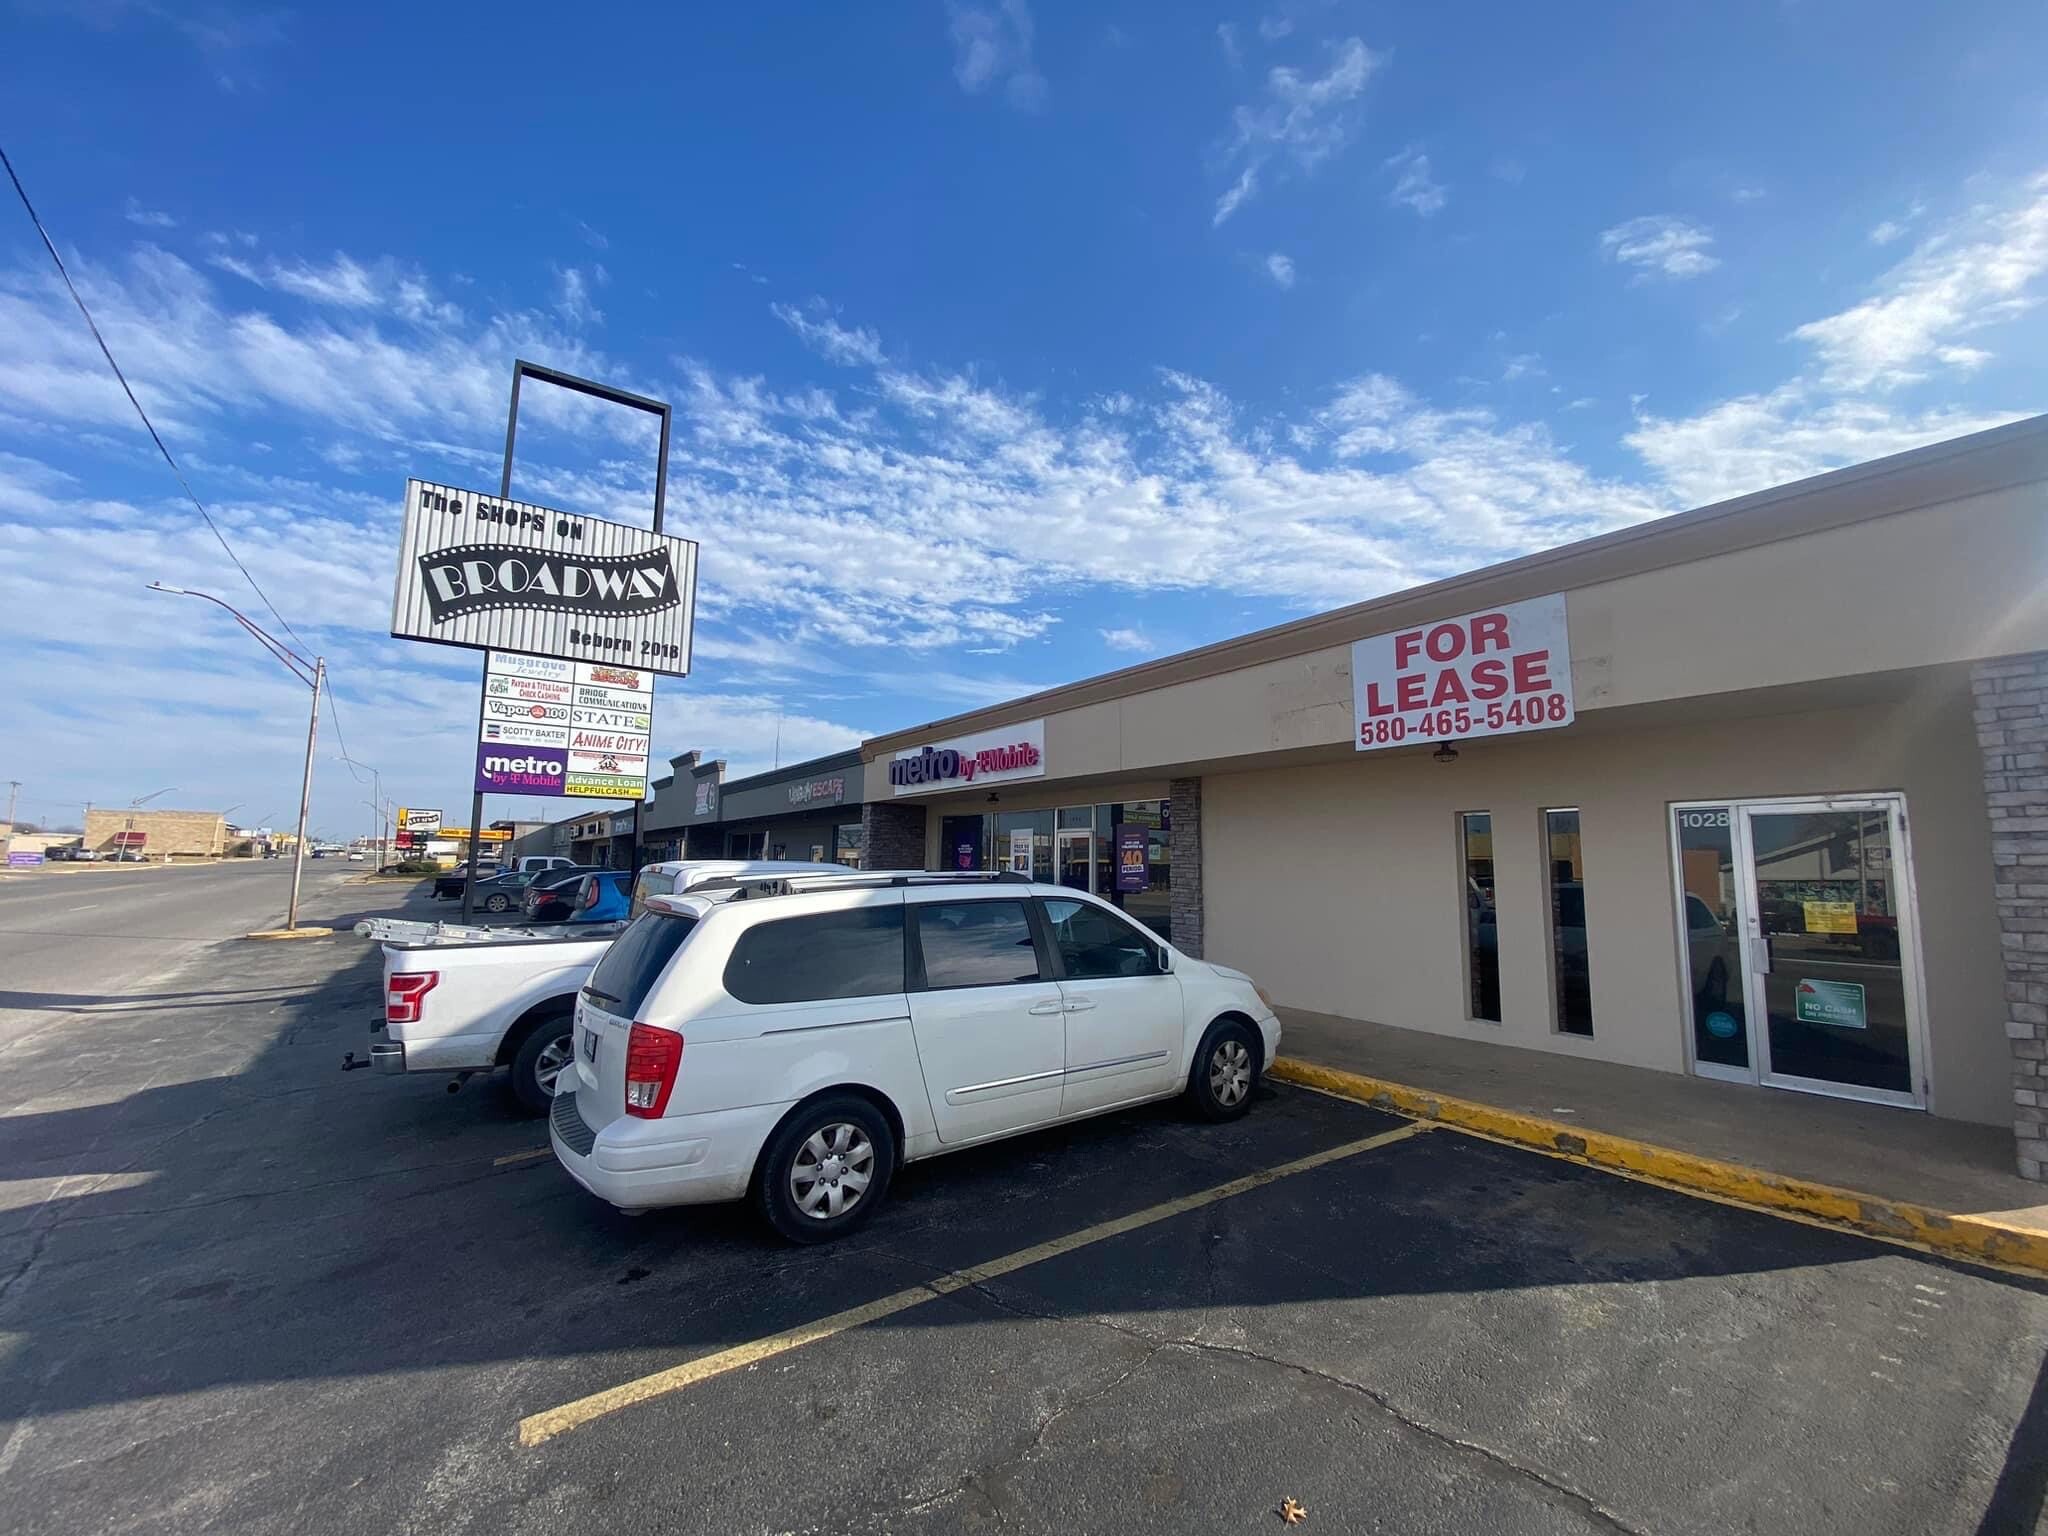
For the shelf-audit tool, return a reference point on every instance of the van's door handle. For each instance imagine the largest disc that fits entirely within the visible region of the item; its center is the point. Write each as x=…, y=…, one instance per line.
x=1079, y=1005
x=1042, y=1009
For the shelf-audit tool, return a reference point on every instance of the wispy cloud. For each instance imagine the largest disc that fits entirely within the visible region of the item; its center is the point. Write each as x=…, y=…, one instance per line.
x=828, y=338
x=1280, y=268
x=1414, y=186
x=1304, y=118
x=992, y=45
x=1895, y=229
x=1273, y=28
x=1135, y=640
x=148, y=218
x=1658, y=245
x=1977, y=276
x=341, y=282
x=1226, y=37
x=575, y=294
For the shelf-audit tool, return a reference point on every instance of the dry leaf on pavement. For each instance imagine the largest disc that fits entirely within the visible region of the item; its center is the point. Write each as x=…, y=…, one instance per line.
x=1292, y=1511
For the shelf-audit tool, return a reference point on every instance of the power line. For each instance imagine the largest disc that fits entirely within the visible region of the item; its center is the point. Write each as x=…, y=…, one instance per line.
x=93, y=326
x=155, y=437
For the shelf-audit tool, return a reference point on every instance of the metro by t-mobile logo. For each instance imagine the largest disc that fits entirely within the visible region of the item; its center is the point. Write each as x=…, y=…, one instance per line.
x=544, y=766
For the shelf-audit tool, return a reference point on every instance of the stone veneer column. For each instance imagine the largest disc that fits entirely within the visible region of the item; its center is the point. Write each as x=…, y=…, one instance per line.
x=2012, y=732
x=1186, y=843
x=892, y=835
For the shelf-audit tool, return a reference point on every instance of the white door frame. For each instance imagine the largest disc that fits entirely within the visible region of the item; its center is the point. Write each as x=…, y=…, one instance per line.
x=1060, y=838
x=1750, y=939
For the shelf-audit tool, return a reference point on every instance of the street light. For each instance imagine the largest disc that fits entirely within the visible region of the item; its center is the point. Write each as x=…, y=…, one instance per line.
x=314, y=675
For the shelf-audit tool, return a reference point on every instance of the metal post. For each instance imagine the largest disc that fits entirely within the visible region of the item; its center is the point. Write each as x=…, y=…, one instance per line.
x=13, y=792
x=291, y=918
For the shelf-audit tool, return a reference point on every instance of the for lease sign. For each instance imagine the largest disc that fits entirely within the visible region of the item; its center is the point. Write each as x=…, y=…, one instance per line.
x=1492, y=673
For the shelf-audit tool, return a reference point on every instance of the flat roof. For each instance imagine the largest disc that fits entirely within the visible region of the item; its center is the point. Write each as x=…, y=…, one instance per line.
x=2014, y=454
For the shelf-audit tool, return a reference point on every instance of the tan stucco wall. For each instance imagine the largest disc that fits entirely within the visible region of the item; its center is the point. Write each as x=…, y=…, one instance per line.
x=1953, y=582
x=182, y=834
x=1338, y=885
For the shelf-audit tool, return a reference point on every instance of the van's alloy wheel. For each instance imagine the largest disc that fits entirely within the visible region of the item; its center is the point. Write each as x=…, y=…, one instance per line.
x=1230, y=1072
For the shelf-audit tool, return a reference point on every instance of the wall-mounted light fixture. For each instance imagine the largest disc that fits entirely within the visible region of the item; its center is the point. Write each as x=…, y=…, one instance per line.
x=1443, y=754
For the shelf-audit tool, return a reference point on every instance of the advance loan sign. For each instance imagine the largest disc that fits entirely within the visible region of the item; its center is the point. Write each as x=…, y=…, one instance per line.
x=1495, y=673
x=480, y=571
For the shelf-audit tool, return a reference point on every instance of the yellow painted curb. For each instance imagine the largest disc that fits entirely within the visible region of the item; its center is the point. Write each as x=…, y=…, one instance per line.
x=1944, y=1232
x=289, y=933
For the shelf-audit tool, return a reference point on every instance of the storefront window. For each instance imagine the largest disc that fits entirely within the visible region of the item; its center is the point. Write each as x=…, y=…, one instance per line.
x=1713, y=953
x=1568, y=965
x=1017, y=831
x=1482, y=944
x=849, y=842
x=1153, y=904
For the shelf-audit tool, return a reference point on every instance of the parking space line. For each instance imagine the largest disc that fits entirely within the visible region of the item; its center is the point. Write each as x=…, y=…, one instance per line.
x=522, y=1157
x=538, y=1428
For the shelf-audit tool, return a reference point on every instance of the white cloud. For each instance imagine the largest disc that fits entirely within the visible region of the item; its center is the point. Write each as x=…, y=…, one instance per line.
x=1660, y=245
x=1414, y=187
x=1522, y=365
x=828, y=338
x=1236, y=194
x=342, y=283
x=1973, y=276
x=993, y=45
x=148, y=218
x=1304, y=118
x=1894, y=229
x=1280, y=268
x=1748, y=194
x=574, y=287
x=594, y=238
x=1273, y=28
x=1135, y=640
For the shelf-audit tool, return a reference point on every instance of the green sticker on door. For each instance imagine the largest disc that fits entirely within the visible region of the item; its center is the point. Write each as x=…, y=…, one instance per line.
x=1839, y=1003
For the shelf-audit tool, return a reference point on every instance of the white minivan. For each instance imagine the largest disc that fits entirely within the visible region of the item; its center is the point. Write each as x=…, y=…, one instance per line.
x=795, y=1043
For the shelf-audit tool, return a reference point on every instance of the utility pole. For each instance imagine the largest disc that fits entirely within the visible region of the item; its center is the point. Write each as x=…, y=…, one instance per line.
x=314, y=675
x=13, y=792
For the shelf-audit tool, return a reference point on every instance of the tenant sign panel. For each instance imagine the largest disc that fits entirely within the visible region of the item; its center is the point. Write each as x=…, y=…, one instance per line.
x=1495, y=673
x=481, y=571
x=988, y=757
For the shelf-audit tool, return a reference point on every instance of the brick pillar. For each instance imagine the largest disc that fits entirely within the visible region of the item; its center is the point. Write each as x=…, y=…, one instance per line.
x=2012, y=732
x=892, y=835
x=1186, y=841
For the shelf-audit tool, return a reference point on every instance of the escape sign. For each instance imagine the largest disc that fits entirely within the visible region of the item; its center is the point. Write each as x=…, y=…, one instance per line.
x=1494, y=673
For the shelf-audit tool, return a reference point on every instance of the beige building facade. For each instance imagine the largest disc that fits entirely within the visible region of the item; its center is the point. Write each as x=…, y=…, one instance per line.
x=1782, y=834
x=158, y=834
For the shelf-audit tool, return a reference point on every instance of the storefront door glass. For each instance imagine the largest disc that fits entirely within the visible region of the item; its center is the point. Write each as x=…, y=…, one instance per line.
x=1077, y=860
x=1800, y=945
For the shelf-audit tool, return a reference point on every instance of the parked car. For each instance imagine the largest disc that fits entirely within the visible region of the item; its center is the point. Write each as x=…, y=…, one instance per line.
x=600, y=898
x=82, y=855
x=960, y=1009
x=534, y=863
x=466, y=1002
x=660, y=879
x=355, y=856
x=494, y=893
x=546, y=899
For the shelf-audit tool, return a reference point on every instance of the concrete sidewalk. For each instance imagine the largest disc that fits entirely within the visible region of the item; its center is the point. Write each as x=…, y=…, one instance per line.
x=1901, y=1155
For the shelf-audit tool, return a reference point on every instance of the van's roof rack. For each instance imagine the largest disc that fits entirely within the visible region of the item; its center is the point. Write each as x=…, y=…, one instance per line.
x=753, y=887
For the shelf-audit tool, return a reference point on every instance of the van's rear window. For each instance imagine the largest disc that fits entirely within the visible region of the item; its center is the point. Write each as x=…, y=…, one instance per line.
x=637, y=958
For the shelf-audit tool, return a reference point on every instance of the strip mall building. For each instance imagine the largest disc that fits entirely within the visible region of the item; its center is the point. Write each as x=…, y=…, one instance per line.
x=1757, y=792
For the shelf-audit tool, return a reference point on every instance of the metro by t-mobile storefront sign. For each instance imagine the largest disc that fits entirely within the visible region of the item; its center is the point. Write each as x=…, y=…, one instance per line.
x=1494, y=673
x=989, y=757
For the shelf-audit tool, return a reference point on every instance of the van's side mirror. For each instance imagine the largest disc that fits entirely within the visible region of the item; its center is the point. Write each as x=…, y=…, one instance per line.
x=1165, y=960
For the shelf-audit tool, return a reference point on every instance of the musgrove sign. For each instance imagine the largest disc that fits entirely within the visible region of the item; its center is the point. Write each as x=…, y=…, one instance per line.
x=1493, y=673
x=482, y=571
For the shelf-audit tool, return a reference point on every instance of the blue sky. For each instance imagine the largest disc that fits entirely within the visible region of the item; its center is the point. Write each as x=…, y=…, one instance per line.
x=1008, y=343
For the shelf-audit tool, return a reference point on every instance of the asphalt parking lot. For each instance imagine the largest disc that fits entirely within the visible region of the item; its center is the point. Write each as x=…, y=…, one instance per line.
x=243, y=1291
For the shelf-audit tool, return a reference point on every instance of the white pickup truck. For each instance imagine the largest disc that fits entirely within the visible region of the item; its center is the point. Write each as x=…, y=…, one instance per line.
x=467, y=999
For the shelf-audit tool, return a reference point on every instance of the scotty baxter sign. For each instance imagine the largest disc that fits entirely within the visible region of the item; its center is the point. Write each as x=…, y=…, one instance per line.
x=480, y=571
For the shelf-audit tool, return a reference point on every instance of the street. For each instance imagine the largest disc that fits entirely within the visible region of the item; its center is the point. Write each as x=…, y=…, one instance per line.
x=243, y=1291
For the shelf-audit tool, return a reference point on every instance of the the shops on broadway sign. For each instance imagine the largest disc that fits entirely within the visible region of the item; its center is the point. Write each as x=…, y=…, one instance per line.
x=478, y=570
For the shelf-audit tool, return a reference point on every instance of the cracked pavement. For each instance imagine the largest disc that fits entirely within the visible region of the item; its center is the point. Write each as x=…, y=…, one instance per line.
x=246, y=1292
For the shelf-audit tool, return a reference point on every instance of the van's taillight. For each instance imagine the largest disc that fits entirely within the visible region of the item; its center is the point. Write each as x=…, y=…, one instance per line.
x=404, y=993
x=653, y=1056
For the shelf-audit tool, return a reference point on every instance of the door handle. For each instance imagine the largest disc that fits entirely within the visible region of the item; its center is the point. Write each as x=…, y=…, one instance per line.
x=1045, y=1009
x=1763, y=954
x=1079, y=1005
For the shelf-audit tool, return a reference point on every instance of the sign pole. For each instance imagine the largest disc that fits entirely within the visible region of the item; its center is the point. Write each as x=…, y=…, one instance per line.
x=291, y=917
x=483, y=687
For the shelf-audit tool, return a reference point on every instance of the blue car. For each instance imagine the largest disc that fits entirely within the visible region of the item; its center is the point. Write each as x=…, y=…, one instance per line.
x=601, y=898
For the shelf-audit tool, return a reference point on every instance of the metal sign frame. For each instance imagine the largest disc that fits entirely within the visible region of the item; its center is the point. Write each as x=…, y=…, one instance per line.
x=521, y=371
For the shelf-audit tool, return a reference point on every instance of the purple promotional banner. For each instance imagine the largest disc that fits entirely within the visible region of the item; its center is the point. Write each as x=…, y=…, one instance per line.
x=1132, y=872
x=511, y=770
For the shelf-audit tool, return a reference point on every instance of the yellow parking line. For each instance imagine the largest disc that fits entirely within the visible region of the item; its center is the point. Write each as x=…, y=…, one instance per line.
x=544, y=1426
x=522, y=1157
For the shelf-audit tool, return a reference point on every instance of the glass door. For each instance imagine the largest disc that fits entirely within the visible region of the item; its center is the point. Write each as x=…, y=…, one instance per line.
x=1829, y=953
x=1076, y=868
x=1799, y=944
